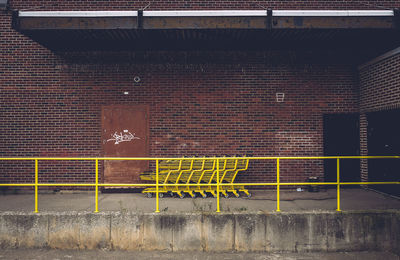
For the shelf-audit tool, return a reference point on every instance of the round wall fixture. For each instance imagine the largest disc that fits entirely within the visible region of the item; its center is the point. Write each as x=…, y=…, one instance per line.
x=136, y=79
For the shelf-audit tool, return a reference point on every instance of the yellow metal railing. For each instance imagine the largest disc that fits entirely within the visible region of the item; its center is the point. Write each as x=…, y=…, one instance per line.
x=36, y=185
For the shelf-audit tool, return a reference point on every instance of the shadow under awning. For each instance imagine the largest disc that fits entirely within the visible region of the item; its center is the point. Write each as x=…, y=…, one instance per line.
x=209, y=30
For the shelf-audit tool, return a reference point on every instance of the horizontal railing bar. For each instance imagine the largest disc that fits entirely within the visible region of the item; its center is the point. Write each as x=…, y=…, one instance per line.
x=369, y=183
x=335, y=183
x=193, y=184
x=300, y=183
x=66, y=184
x=17, y=184
x=187, y=185
x=191, y=158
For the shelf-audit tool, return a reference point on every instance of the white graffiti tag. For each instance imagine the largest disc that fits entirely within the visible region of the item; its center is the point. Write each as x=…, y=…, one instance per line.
x=126, y=136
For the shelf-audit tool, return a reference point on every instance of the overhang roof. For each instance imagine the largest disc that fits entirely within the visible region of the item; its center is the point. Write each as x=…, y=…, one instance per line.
x=225, y=29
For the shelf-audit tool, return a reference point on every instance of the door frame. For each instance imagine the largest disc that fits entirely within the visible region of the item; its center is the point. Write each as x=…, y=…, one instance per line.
x=146, y=108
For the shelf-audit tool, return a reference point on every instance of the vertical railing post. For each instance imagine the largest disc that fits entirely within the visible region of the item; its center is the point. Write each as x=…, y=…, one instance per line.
x=218, y=208
x=97, y=187
x=338, y=185
x=278, y=207
x=157, y=195
x=36, y=184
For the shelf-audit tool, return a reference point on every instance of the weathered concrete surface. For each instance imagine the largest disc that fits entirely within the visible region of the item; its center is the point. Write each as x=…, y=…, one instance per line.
x=127, y=231
x=23, y=230
x=218, y=232
x=297, y=232
x=188, y=233
x=250, y=232
x=198, y=232
x=74, y=230
x=351, y=199
x=52, y=254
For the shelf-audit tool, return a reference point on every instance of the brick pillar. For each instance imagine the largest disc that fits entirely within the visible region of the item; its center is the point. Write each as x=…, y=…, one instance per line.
x=363, y=146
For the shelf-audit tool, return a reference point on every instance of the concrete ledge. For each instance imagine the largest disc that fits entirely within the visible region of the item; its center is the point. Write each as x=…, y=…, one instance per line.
x=225, y=232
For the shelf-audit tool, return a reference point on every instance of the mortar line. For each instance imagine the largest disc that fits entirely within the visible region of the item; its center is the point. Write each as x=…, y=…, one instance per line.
x=16, y=245
x=326, y=233
x=310, y=231
x=110, y=238
x=234, y=232
x=144, y=232
x=79, y=234
x=265, y=233
x=141, y=220
x=48, y=230
x=364, y=233
x=172, y=244
x=202, y=239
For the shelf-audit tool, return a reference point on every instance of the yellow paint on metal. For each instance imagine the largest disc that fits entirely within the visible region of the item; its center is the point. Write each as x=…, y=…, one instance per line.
x=36, y=185
x=97, y=186
x=17, y=184
x=217, y=184
x=370, y=182
x=200, y=184
x=218, y=208
x=338, y=185
x=278, y=207
x=157, y=195
x=69, y=184
x=211, y=158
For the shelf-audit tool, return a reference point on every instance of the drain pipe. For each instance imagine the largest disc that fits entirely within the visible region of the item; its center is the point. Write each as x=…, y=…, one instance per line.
x=139, y=19
x=269, y=19
x=396, y=13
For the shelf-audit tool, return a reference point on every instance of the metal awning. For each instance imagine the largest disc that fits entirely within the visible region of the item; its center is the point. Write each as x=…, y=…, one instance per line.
x=224, y=29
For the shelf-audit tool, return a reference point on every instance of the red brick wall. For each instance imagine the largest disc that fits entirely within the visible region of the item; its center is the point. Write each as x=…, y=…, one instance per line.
x=379, y=90
x=200, y=104
x=206, y=103
x=199, y=4
x=380, y=85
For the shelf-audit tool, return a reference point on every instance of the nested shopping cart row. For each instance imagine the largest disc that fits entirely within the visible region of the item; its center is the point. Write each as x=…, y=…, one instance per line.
x=200, y=171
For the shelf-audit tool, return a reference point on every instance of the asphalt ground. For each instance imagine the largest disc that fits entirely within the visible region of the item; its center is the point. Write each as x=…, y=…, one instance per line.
x=351, y=199
x=45, y=254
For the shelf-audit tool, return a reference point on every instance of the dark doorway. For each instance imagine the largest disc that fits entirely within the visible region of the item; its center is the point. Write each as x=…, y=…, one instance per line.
x=384, y=139
x=342, y=138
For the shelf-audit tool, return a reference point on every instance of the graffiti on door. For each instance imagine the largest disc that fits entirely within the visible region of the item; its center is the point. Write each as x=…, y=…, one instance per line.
x=125, y=136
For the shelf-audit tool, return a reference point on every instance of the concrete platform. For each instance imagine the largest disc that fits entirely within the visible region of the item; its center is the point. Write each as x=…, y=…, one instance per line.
x=265, y=201
x=292, y=232
x=308, y=222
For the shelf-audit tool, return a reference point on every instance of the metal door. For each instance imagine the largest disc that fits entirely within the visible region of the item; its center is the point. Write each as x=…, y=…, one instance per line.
x=383, y=139
x=125, y=134
x=342, y=138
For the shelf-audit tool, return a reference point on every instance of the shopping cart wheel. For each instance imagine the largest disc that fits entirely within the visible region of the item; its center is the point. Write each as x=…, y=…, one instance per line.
x=160, y=195
x=182, y=195
x=194, y=195
x=226, y=195
x=149, y=195
x=204, y=195
x=249, y=195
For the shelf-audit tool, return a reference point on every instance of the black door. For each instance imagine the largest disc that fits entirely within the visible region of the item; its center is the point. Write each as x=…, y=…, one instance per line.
x=342, y=138
x=384, y=139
